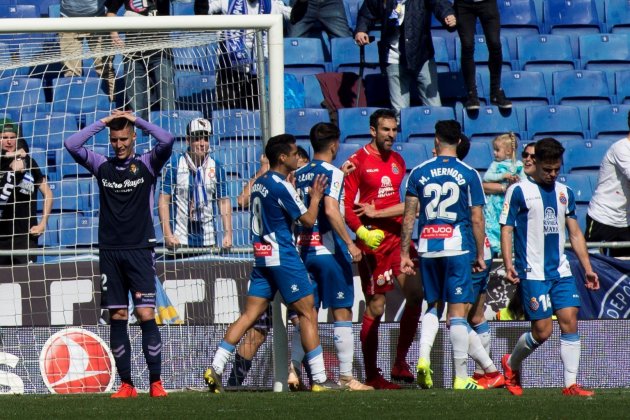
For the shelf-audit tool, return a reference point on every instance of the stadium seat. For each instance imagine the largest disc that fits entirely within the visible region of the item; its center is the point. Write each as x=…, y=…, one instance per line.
x=605, y=52
x=76, y=194
x=304, y=56
x=77, y=229
x=608, y=122
x=581, y=209
x=419, y=121
x=617, y=16
x=546, y=54
x=157, y=227
x=194, y=91
x=180, y=8
x=452, y=89
x=43, y=5
x=19, y=11
x=50, y=238
x=239, y=158
x=313, y=96
x=412, y=153
x=560, y=121
x=442, y=60
x=299, y=121
x=584, y=155
x=79, y=94
x=355, y=123
x=236, y=124
x=194, y=58
x=241, y=230
x=581, y=88
x=518, y=18
x=234, y=186
x=489, y=122
x=346, y=56
x=479, y=156
x=23, y=93
x=574, y=18
x=54, y=11
x=67, y=167
x=622, y=86
x=175, y=122
x=306, y=145
x=48, y=131
x=580, y=184
x=524, y=88
x=345, y=151
x=40, y=156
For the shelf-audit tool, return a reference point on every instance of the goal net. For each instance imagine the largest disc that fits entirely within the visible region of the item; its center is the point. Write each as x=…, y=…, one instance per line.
x=58, y=76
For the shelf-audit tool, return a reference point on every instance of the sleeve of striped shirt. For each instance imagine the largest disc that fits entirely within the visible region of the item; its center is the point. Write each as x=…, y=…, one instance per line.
x=511, y=205
x=571, y=204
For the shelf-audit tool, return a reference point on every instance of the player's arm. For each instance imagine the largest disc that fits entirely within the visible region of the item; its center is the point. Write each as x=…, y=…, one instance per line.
x=507, y=233
x=164, y=211
x=47, y=193
x=331, y=208
x=83, y=156
x=225, y=206
x=479, y=234
x=243, y=198
x=316, y=192
x=369, y=210
x=409, y=218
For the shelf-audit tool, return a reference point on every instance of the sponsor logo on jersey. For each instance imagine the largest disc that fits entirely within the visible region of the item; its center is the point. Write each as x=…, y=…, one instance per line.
x=309, y=239
x=533, y=304
x=437, y=232
x=75, y=360
x=262, y=249
x=395, y=169
x=550, y=222
x=386, y=189
x=562, y=199
x=371, y=170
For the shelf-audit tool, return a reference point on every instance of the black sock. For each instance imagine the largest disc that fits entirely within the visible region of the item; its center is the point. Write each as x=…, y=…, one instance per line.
x=121, y=348
x=152, y=348
x=240, y=369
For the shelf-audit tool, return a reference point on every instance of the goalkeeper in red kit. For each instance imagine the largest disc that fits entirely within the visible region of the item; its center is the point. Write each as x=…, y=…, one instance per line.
x=374, y=212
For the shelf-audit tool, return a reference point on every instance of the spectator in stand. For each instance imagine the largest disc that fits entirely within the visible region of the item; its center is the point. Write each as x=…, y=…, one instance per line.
x=71, y=43
x=406, y=47
x=192, y=181
x=156, y=65
x=309, y=14
x=608, y=217
x=20, y=178
x=487, y=11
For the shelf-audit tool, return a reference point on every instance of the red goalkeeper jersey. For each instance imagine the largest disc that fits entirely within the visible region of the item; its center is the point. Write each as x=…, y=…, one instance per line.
x=377, y=178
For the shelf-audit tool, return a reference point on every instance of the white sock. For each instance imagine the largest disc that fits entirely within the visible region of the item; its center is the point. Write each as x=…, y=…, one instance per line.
x=297, y=351
x=483, y=331
x=344, y=345
x=478, y=353
x=570, y=349
x=459, y=341
x=428, y=330
x=524, y=347
x=222, y=356
x=315, y=359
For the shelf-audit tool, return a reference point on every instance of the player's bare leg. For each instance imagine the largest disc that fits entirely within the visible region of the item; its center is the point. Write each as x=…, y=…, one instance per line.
x=344, y=346
x=570, y=349
x=412, y=290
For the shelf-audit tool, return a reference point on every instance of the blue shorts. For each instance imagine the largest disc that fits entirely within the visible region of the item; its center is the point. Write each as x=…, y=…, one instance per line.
x=290, y=279
x=333, y=276
x=542, y=297
x=480, y=280
x=124, y=271
x=447, y=279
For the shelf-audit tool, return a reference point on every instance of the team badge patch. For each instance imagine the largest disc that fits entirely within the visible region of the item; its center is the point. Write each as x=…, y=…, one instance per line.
x=380, y=281
x=562, y=198
x=533, y=304
x=395, y=169
x=133, y=168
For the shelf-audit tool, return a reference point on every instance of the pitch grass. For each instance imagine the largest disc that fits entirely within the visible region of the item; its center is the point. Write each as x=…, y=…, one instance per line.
x=434, y=404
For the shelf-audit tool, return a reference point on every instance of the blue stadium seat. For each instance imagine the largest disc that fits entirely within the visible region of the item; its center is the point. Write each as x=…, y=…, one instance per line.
x=489, y=122
x=442, y=61
x=412, y=153
x=197, y=58
x=479, y=156
x=580, y=184
x=20, y=11
x=54, y=11
x=77, y=229
x=175, y=122
x=180, y=8
x=23, y=93
x=518, y=18
x=581, y=88
x=241, y=227
x=617, y=15
x=304, y=56
x=581, y=209
x=50, y=238
x=236, y=124
x=234, y=186
x=560, y=121
x=452, y=89
x=299, y=121
x=48, y=131
x=76, y=194
x=419, y=121
x=609, y=122
x=79, y=94
x=67, y=167
x=355, y=123
x=546, y=54
x=194, y=91
x=40, y=156
x=157, y=227
x=345, y=151
x=313, y=96
x=585, y=155
x=571, y=17
x=346, y=56
x=605, y=52
x=43, y=5
x=239, y=158
x=622, y=86
x=524, y=88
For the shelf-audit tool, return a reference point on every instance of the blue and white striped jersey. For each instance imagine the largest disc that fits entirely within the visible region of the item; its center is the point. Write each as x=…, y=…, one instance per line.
x=274, y=205
x=321, y=239
x=446, y=188
x=538, y=214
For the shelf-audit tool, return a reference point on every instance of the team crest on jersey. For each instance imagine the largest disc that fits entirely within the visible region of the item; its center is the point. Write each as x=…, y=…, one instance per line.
x=380, y=281
x=211, y=172
x=533, y=304
x=133, y=168
x=395, y=168
x=550, y=223
x=562, y=199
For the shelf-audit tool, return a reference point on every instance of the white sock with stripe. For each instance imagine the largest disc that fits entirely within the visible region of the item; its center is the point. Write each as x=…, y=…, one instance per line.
x=570, y=349
x=344, y=346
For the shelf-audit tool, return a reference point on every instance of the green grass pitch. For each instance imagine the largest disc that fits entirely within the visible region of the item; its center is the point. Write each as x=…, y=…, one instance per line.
x=433, y=404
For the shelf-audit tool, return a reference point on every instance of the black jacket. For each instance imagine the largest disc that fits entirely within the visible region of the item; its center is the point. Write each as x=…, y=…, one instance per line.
x=415, y=43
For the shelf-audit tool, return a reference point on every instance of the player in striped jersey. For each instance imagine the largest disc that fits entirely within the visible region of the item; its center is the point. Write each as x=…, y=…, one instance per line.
x=535, y=214
x=451, y=200
x=275, y=205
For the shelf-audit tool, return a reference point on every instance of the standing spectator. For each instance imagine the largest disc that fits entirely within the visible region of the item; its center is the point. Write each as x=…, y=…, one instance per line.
x=406, y=47
x=277, y=264
x=191, y=183
x=373, y=210
x=608, y=217
x=328, y=13
x=237, y=81
x=487, y=11
x=126, y=236
x=147, y=72
x=20, y=178
x=537, y=213
x=71, y=43
x=505, y=170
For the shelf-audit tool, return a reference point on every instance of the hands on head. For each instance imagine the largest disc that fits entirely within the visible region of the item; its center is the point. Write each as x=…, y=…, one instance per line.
x=118, y=113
